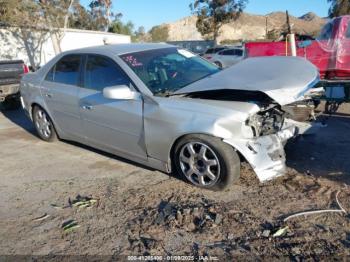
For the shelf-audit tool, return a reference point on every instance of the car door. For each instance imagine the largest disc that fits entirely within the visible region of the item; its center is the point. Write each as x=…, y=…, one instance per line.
x=226, y=57
x=238, y=56
x=110, y=124
x=60, y=91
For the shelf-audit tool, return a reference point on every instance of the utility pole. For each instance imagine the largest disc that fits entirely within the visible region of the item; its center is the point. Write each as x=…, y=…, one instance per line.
x=289, y=29
x=266, y=27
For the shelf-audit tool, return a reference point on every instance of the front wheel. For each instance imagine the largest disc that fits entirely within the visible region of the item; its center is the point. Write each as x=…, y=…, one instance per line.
x=43, y=125
x=207, y=162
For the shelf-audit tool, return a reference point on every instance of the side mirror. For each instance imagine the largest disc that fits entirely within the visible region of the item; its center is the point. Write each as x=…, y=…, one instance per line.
x=120, y=92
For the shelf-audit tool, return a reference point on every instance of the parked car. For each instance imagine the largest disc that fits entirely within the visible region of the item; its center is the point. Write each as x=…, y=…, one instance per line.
x=212, y=51
x=169, y=109
x=227, y=57
x=10, y=75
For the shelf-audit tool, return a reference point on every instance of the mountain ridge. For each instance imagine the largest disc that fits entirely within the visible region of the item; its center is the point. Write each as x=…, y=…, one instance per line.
x=247, y=26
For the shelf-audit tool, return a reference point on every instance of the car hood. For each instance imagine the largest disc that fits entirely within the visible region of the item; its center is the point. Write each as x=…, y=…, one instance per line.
x=284, y=79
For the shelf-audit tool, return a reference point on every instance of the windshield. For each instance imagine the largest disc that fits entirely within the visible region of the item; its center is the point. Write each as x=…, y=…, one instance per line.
x=167, y=70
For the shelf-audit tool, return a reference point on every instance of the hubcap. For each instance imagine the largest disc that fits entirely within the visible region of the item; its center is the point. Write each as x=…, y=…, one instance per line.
x=199, y=164
x=42, y=123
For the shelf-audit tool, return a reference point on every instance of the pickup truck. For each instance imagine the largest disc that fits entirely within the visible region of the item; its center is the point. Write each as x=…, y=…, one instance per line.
x=330, y=52
x=11, y=72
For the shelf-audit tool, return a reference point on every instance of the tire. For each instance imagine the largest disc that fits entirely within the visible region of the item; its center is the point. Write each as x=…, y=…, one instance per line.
x=12, y=103
x=331, y=107
x=218, y=64
x=44, y=125
x=195, y=154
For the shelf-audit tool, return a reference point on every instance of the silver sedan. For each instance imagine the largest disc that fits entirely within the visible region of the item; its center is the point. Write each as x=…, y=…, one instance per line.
x=168, y=109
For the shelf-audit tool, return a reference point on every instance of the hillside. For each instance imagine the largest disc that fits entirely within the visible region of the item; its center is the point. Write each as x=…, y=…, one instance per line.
x=247, y=27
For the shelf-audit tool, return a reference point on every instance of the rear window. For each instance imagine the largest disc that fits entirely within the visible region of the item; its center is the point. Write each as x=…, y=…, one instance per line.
x=210, y=51
x=214, y=50
x=66, y=71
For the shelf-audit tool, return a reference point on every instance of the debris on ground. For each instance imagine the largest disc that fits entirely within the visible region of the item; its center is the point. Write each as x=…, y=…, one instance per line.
x=41, y=218
x=340, y=210
x=82, y=201
x=266, y=233
x=281, y=232
x=70, y=225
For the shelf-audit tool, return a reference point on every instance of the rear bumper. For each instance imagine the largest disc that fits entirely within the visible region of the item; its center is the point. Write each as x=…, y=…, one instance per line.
x=8, y=90
x=265, y=154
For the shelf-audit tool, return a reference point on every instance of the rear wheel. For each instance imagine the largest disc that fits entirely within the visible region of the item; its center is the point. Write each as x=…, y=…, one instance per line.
x=207, y=162
x=43, y=125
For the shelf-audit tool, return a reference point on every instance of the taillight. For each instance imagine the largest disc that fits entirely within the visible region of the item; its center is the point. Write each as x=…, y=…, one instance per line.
x=25, y=69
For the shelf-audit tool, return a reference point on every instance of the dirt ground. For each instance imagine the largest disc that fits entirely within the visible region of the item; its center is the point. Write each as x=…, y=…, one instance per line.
x=127, y=209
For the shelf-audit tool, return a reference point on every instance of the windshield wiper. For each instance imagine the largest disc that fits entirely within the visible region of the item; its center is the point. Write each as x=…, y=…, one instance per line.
x=164, y=93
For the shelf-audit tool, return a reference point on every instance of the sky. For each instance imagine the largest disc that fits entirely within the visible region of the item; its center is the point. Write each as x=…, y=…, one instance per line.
x=149, y=13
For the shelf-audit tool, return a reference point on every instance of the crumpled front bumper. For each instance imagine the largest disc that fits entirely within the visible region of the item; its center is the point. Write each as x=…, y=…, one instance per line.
x=265, y=154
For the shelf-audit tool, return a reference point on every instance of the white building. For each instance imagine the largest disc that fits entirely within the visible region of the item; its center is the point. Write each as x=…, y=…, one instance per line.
x=38, y=49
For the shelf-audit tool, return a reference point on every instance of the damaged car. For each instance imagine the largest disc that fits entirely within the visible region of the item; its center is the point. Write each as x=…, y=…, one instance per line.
x=173, y=111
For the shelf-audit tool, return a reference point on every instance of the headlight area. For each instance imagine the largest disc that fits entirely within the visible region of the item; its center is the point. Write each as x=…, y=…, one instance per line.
x=266, y=122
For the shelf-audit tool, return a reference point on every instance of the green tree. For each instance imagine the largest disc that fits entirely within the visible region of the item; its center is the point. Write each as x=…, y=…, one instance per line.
x=213, y=14
x=81, y=18
x=119, y=27
x=339, y=8
x=32, y=21
x=159, y=33
x=141, y=31
x=101, y=13
x=140, y=35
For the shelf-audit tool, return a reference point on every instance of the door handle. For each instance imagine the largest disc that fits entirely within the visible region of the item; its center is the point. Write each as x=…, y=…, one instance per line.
x=48, y=95
x=86, y=107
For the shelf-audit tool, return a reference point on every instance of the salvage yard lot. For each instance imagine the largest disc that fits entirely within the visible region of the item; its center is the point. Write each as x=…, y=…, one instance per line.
x=140, y=211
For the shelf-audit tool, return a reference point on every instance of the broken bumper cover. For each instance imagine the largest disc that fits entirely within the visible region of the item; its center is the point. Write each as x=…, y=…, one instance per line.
x=265, y=154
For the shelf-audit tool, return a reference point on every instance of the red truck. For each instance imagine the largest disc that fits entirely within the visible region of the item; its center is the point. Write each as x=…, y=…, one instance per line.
x=330, y=52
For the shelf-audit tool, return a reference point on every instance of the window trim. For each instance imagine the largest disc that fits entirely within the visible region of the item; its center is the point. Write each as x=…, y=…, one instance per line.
x=85, y=61
x=54, y=70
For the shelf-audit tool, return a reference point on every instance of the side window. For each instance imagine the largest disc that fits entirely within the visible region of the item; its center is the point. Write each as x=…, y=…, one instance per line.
x=210, y=51
x=50, y=74
x=228, y=52
x=239, y=52
x=102, y=72
x=348, y=31
x=66, y=71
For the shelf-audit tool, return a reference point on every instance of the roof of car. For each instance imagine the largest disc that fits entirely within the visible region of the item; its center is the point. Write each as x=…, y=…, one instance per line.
x=234, y=47
x=120, y=49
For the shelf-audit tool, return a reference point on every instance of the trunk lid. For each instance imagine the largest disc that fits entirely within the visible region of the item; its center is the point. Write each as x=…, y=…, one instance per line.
x=284, y=79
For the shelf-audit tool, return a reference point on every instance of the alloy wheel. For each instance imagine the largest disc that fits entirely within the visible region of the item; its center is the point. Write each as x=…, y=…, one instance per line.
x=200, y=164
x=43, y=124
